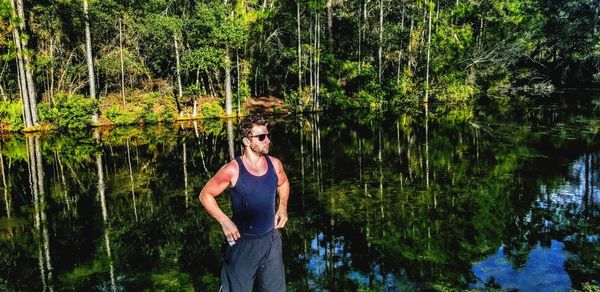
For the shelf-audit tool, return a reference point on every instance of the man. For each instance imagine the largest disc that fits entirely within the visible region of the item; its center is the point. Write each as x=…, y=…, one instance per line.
x=253, y=258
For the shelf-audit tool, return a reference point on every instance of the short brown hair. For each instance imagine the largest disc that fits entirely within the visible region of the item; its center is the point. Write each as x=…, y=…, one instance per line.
x=246, y=125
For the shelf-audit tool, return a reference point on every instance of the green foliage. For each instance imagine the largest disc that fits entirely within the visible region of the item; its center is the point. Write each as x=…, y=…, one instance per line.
x=110, y=65
x=497, y=47
x=213, y=127
x=202, y=58
x=211, y=109
x=590, y=287
x=71, y=111
x=147, y=108
x=299, y=102
x=158, y=108
x=82, y=273
x=11, y=115
x=452, y=90
x=124, y=116
x=172, y=281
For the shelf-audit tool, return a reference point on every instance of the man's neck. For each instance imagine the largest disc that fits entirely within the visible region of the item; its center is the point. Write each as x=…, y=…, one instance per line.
x=253, y=158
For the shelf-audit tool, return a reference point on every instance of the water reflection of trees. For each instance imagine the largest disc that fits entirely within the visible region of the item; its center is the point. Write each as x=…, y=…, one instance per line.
x=426, y=207
x=406, y=202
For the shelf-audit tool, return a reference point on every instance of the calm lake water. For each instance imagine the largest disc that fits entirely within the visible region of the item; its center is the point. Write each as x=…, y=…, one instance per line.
x=502, y=199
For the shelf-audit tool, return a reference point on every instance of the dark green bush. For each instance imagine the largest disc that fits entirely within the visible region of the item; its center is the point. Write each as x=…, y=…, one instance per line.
x=73, y=112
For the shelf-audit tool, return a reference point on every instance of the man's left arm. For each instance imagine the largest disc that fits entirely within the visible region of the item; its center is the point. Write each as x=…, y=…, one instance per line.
x=283, y=191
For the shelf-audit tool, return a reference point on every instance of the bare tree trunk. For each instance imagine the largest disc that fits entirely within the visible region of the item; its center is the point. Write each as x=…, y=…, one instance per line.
x=410, y=58
x=299, y=54
x=178, y=73
x=311, y=58
x=480, y=35
x=228, y=107
x=360, y=40
x=90, y=60
x=22, y=81
x=122, y=60
x=318, y=62
x=401, y=45
x=25, y=98
x=2, y=92
x=237, y=66
x=185, y=175
x=28, y=75
x=51, y=91
x=230, y=139
x=210, y=84
x=380, y=53
x=428, y=54
x=399, y=65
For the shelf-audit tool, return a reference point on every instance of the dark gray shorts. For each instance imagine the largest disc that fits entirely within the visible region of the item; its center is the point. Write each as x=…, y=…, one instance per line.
x=254, y=262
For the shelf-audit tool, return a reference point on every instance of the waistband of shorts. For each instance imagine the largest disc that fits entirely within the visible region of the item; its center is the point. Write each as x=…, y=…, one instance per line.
x=257, y=236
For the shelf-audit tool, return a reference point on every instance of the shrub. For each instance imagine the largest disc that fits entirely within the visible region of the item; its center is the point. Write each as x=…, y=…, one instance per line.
x=146, y=107
x=73, y=112
x=211, y=109
x=10, y=114
x=305, y=100
x=120, y=116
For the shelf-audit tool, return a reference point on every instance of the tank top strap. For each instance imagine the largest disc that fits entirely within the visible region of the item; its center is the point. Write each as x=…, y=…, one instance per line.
x=241, y=165
x=269, y=163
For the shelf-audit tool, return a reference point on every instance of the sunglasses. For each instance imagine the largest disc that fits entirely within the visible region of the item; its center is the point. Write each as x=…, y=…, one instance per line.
x=261, y=137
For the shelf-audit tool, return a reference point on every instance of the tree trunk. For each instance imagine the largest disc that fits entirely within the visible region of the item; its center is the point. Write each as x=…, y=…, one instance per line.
x=51, y=93
x=185, y=175
x=237, y=66
x=211, y=86
x=399, y=65
x=228, y=107
x=380, y=53
x=428, y=54
x=480, y=35
x=178, y=73
x=359, y=39
x=90, y=60
x=122, y=61
x=299, y=54
x=230, y=139
x=311, y=57
x=22, y=80
x=28, y=75
x=318, y=63
x=410, y=58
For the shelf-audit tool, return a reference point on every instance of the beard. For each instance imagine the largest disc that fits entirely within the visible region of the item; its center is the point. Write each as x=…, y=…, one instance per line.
x=264, y=150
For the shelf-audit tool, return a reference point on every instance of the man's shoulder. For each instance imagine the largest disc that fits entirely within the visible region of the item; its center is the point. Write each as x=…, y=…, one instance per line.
x=231, y=168
x=276, y=163
x=274, y=159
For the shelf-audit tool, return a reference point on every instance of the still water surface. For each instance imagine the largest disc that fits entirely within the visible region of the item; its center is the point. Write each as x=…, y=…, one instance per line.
x=507, y=200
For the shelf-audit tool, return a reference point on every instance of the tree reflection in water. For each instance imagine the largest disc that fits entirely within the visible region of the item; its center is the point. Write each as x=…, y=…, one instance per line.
x=377, y=203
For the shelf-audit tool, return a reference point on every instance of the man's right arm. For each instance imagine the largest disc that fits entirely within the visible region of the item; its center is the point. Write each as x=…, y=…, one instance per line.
x=214, y=187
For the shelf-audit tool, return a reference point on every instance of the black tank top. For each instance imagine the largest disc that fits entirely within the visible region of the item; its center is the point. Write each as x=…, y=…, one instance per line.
x=253, y=200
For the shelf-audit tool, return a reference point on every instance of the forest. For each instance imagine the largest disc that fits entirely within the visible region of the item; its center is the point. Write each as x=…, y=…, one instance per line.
x=80, y=63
